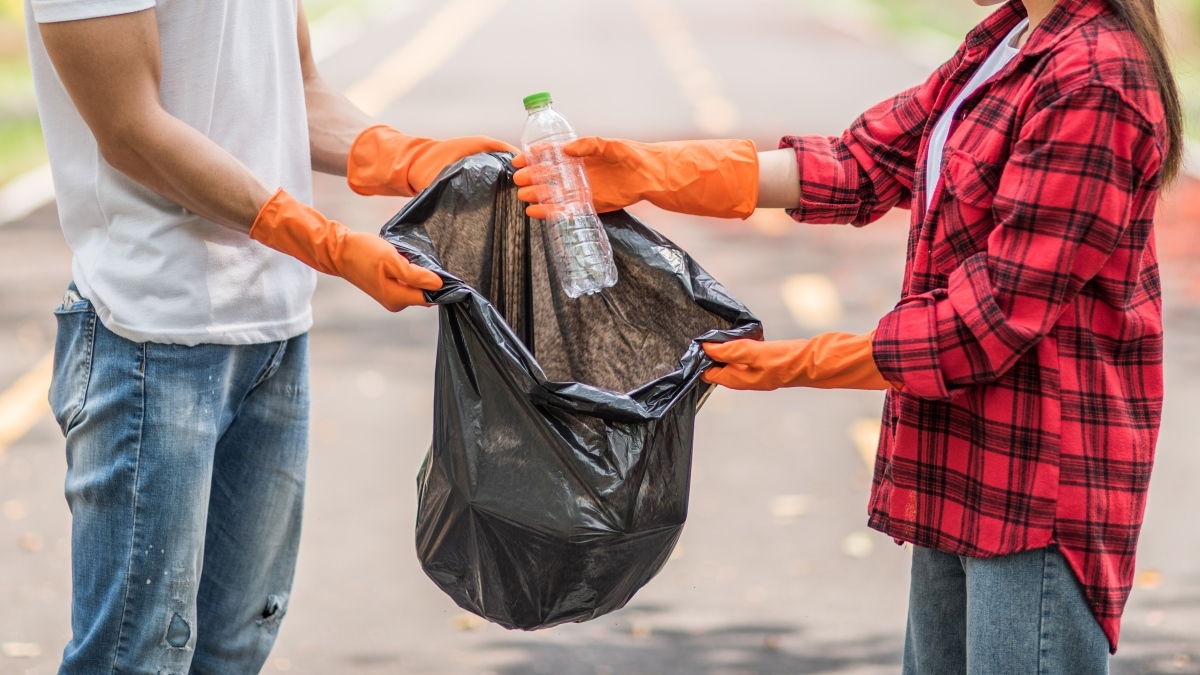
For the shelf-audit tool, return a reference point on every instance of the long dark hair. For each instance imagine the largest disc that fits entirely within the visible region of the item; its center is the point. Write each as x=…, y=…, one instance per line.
x=1142, y=17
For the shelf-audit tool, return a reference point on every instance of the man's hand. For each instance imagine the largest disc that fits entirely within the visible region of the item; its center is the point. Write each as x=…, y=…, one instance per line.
x=376, y=159
x=384, y=161
x=828, y=361
x=365, y=260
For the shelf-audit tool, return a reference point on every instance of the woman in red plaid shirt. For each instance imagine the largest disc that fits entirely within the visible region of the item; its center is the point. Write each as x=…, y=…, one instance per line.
x=1024, y=360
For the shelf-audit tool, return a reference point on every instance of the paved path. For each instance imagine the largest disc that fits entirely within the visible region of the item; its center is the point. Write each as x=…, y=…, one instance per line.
x=776, y=573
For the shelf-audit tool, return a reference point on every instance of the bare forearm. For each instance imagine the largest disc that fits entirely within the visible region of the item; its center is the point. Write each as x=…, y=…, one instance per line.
x=186, y=167
x=333, y=124
x=111, y=68
x=778, y=179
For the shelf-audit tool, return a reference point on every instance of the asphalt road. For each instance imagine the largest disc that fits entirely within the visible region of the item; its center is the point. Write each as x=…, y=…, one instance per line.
x=776, y=573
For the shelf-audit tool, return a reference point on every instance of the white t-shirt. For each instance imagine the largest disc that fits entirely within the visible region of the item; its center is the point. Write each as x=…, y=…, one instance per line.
x=937, y=140
x=154, y=271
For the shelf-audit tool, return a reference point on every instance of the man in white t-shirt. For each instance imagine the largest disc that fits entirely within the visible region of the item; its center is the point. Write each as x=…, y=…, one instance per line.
x=182, y=136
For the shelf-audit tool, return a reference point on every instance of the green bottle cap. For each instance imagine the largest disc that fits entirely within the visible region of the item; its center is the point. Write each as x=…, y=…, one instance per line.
x=542, y=98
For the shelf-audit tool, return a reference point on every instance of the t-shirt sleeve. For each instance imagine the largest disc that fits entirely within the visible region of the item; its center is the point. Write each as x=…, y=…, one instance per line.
x=53, y=11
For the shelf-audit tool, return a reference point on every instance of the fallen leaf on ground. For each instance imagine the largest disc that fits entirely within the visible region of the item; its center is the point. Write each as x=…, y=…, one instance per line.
x=858, y=545
x=31, y=542
x=15, y=509
x=790, y=507
x=1149, y=579
x=812, y=300
x=640, y=630
x=21, y=650
x=466, y=622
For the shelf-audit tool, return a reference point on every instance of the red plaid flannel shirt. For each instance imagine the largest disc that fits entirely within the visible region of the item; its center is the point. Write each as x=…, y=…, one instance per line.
x=1029, y=335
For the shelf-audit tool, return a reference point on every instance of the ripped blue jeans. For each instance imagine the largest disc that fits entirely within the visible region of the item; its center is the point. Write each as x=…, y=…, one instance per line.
x=185, y=479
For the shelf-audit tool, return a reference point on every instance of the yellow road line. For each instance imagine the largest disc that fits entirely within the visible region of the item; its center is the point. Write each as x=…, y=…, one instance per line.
x=714, y=113
x=26, y=193
x=24, y=403
x=422, y=55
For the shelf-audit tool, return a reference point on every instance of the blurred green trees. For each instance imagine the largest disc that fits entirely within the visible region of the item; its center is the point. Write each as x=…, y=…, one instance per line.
x=21, y=146
x=913, y=21
x=953, y=18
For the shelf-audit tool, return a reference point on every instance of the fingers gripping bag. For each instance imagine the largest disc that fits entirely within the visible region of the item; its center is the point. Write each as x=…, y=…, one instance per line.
x=557, y=482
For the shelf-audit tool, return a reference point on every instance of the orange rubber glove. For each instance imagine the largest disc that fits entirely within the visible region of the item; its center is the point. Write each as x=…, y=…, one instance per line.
x=384, y=161
x=828, y=361
x=701, y=178
x=365, y=260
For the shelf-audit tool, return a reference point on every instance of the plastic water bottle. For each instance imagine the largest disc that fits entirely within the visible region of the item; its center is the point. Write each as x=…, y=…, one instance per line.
x=582, y=252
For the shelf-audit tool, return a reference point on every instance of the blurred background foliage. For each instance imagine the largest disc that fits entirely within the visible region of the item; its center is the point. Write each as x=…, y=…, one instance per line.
x=21, y=146
x=935, y=25
x=953, y=18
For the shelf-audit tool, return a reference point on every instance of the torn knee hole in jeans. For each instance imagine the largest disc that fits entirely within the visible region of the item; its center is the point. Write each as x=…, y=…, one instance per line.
x=179, y=632
x=273, y=610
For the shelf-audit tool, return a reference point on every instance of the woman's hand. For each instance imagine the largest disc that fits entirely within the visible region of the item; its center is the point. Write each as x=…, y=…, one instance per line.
x=828, y=361
x=703, y=178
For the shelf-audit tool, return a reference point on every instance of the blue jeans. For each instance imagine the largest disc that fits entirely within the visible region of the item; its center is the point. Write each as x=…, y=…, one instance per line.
x=185, y=479
x=1021, y=614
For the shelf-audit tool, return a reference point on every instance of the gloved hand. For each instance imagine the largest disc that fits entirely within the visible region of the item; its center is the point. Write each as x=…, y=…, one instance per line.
x=384, y=161
x=701, y=178
x=365, y=260
x=828, y=361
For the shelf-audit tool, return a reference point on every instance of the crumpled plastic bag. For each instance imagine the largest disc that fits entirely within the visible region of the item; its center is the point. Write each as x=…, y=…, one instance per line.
x=557, y=482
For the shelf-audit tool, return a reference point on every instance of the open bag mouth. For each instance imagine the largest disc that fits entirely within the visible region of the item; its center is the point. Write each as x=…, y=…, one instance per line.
x=621, y=348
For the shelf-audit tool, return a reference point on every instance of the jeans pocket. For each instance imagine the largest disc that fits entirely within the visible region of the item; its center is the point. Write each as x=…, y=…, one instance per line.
x=72, y=358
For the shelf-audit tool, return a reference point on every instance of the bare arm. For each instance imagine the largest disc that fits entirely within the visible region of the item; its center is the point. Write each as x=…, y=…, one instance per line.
x=778, y=179
x=111, y=68
x=333, y=121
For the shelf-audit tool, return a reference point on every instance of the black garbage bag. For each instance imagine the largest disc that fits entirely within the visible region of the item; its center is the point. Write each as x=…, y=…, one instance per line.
x=557, y=483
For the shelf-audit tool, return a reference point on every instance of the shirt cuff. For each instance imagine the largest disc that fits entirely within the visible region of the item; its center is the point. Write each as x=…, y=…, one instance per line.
x=945, y=339
x=827, y=194
x=905, y=347
x=54, y=11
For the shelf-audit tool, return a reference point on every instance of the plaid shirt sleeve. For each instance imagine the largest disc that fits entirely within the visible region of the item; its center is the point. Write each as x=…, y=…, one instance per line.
x=1061, y=206
x=860, y=176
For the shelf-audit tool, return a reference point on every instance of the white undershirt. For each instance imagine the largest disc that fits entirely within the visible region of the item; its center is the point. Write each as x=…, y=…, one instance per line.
x=154, y=271
x=937, y=140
